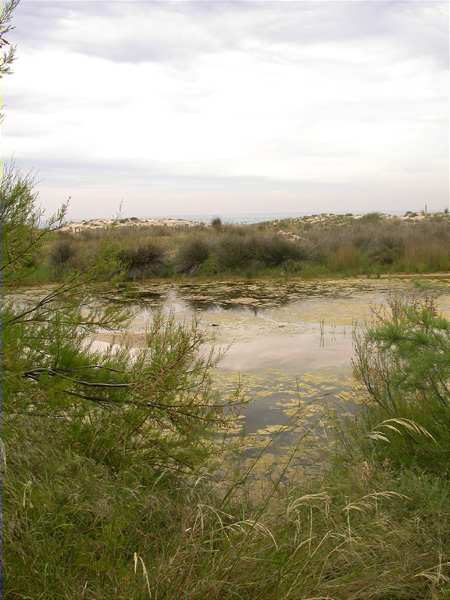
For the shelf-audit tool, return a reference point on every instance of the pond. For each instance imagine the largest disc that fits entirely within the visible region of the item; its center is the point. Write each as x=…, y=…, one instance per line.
x=288, y=345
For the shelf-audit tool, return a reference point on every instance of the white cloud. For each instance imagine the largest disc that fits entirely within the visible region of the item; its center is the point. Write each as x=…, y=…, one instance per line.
x=186, y=105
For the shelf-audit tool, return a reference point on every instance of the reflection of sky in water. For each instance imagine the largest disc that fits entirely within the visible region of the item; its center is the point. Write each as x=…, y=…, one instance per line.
x=288, y=342
x=283, y=406
x=288, y=345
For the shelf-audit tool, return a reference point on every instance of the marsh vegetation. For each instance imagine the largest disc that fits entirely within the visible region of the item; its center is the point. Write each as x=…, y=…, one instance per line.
x=334, y=245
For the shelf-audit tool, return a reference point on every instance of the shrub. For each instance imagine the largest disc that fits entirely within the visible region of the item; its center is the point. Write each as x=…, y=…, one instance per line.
x=142, y=261
x=191, y=255
x=216, y=223
x=345, y=257
x=273, y=250
x=233, y=251
x=403, y=361
x=104, y=456
x=209, y=266
x=385, y=249
x=62, y=253
x=293, y=267
x=373, y=217
x=126, y=532
x=236, y=250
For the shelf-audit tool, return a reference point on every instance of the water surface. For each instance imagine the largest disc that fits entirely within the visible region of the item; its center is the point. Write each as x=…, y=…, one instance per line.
x=288, y=345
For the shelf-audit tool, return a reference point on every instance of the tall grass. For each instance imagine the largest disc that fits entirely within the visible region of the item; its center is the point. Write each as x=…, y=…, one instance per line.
x=78, y=528
x=113, y=524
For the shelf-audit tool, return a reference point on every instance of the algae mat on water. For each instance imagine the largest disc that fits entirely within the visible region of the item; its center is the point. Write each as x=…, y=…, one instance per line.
x=287, y=344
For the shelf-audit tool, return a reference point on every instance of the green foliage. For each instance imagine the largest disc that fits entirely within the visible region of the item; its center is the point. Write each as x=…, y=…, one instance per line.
x=210, y=266
x=105, y=263
x=158, y=403
x=234, y=251
x=373, y=217
x=102, y=530
x=106, y=495
x=191, y=255
x=346, y=259
x=237, y=251
x=385, y=249
x=293, y=267
x=7, y=56
x=20, y=221
x=274, y=251
x=142, y=261
x=403, y=360
x=50, y=368
x=62, y=253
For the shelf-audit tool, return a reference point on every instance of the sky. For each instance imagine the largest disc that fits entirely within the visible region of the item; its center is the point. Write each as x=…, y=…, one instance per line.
x=232, y=107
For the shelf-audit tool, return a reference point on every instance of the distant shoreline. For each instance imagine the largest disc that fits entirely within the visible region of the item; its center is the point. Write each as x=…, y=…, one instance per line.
x=175, y=222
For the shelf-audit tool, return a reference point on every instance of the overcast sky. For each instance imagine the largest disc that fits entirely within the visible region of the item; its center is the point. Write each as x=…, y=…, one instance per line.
x=231, y=107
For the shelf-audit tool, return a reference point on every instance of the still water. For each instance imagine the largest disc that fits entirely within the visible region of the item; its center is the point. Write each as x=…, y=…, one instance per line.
x=287, y=345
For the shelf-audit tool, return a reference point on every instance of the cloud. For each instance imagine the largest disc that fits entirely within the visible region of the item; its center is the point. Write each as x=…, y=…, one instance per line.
x=178, y=32
x=256, y=98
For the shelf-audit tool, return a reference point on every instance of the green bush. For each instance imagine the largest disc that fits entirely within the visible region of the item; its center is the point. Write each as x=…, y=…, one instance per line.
x=152, y=400
x=142, y=261
x=233, y=251
x=209, y=266
x=293, y=267
x=62, y=253
x=339, y=245
x=403, y=360
x=255, y=251
x=273, y=250
x=373, y=217
x=191, y=255
x=385, y=249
